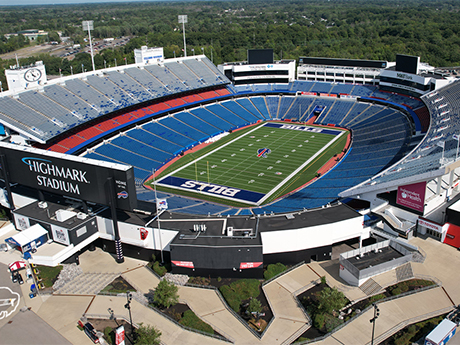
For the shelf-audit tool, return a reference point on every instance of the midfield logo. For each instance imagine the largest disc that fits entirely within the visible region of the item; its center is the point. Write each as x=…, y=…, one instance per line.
x=263, y=152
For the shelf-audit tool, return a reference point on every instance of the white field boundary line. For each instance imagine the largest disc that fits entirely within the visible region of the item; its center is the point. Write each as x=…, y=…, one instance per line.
x=209, y=153
x=218, y=196
x=279, y=185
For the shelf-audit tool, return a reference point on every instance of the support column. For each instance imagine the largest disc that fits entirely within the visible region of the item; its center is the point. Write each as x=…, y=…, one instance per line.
x=439, y=185
x=6, y=178
x=113, y=210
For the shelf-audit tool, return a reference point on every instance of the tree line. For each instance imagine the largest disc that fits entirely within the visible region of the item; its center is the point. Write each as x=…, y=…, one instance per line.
x=225, y=30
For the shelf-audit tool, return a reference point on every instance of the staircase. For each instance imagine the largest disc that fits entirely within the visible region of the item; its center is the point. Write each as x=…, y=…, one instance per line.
x=404, y=272
x=87, y=283
x=370, y=287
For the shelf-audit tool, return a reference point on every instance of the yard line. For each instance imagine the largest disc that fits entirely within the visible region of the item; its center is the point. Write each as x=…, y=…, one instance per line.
x=299, y=168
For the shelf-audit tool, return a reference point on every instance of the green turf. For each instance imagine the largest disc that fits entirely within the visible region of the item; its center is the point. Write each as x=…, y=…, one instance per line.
x=238, y=166
x=233, y=161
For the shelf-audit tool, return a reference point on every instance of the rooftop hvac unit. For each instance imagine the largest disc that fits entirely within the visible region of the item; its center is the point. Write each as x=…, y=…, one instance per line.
x=230, y=231
x=43, y=204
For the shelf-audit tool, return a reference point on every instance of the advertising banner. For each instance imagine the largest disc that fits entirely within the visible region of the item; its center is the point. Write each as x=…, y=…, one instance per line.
x=246, y=265
x=77, y=177
x=430, y=225
x=412, y=196
x=60, y=235
x=120, y=335
x=188, y=264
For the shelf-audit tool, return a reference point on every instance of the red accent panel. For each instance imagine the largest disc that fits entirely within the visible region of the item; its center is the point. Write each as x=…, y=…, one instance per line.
x=453, y=235
x=246, y=265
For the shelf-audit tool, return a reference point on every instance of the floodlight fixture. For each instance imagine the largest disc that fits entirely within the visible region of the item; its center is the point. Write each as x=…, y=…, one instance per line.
x=182, y=20
x=88, y=25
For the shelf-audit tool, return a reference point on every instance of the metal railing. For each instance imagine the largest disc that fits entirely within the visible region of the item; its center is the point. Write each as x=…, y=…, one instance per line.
x=224, y=302
x=387, y=299
x=220, y=297
x=157, y=311
x=283, y=273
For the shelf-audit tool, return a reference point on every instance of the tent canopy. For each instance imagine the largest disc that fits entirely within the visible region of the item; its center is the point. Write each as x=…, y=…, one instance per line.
x=26, y=236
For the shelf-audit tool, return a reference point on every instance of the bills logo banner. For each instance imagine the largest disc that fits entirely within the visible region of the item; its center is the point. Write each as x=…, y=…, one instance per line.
x=263, y=152
x=412, y=196
x=162, y=204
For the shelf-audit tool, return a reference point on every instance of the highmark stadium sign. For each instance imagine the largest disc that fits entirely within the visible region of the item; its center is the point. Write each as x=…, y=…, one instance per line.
x=59, y=178
x=82, y=178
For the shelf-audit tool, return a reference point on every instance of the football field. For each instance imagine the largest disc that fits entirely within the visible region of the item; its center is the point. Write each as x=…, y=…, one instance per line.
x=252, y=168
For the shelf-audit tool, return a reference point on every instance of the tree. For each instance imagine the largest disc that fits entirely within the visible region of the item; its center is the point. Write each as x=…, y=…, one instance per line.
x=166, y=294
x=330, y=300
x=147, y=335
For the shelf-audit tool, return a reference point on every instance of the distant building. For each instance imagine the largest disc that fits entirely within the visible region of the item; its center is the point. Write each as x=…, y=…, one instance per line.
x=31, y=34
x=148, y=55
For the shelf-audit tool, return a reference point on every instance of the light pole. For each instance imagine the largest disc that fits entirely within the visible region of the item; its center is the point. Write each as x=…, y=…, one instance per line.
x=115, y=62
x=71, y=70
x=376, y=315
x=105, y=64
x=82, y=70
x=182, y=20
x=88, y=25
x=129, y=297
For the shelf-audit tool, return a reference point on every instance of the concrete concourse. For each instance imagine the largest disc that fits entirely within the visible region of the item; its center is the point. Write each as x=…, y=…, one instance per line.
x=62, y=312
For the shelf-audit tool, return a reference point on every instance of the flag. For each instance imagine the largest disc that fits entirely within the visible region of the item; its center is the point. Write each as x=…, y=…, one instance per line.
x=441, y=143
x=162, y=204
x=456, y=137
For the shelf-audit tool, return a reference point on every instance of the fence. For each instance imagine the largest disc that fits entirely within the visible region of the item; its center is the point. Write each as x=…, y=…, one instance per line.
x=380, y=268
x=365, y=310
x=157, y=311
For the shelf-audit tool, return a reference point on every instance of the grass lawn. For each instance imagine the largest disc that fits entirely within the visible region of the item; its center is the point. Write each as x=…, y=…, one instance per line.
x=48, y=274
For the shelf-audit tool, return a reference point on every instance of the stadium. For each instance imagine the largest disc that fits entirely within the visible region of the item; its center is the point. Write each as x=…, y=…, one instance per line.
x=331, y=156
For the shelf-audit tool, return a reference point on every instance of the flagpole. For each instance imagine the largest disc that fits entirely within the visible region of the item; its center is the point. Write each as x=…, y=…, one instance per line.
x=207, y=165
x=158, y=216
x=458, y=143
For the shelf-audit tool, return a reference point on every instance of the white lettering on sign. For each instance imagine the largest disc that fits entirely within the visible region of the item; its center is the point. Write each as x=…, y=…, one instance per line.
x=430, y=225
x=211, y=188
x=303, y=129
x=55, y=177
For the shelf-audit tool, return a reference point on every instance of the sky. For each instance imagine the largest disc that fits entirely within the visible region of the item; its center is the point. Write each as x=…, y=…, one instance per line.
x=56, y=2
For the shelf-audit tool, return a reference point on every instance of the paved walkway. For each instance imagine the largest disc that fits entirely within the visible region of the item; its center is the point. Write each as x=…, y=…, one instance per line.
x=63, y=311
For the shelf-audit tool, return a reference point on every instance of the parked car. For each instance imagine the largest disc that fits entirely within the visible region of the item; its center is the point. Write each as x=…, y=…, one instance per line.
x=3, y=247
x=20, y=280
x=91, y=332
x=14, y=277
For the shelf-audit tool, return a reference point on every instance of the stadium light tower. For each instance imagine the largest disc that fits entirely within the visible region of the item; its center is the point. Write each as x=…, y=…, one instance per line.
x=88, y=25
x=182, y=20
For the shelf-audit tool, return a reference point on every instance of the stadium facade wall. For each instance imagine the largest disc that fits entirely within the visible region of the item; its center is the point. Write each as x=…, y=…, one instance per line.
x=308, y=238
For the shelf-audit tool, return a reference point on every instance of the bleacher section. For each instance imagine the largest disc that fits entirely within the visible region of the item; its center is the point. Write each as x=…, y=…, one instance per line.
x=374, y=148
x=429, y=157
x=173, y=117
x=80, y=98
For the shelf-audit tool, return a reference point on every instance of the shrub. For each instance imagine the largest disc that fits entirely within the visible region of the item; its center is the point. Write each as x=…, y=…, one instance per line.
x=323, y=280
x=108, y=334
x=396, y=291
x=240, y=290
x=191, y=320
x=331, y=322
x=319, y=320
x=254, y=306
x=160, y=270
x=273, y=270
